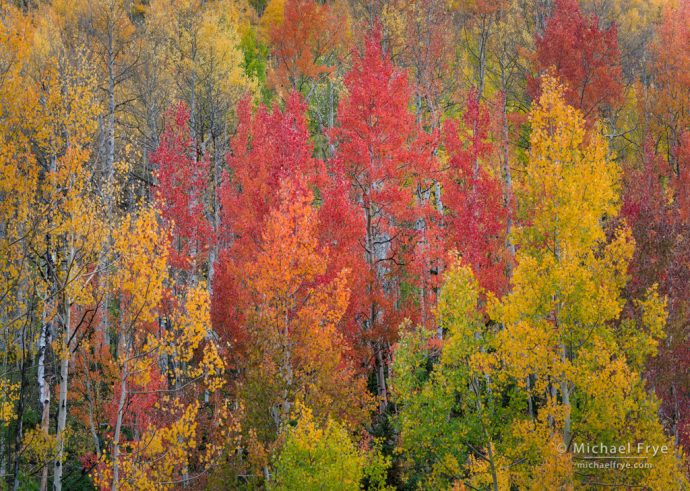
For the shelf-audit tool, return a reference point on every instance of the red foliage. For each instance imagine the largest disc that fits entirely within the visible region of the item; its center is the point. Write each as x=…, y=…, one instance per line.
x=140, y=406
x=475, y=222
x=662, y=255
x=585, y=57
x=386, y=159
x=669, y=69
x=183, y=177
x=309, y=33
x=268, y=148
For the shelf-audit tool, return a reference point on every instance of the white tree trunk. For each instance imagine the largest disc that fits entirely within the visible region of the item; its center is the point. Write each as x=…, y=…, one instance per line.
x=62, y=401
x=118, y=422
x=44, y=389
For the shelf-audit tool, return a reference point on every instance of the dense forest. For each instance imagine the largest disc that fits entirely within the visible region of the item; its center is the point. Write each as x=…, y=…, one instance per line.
x=345, y=244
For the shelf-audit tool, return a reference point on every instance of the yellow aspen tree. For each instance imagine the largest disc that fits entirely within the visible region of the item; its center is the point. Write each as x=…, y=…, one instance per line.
x=322, y=455
x=559, y=343
x=19, y=176
x=67, y=229
x=162, y=427
x=139, y=281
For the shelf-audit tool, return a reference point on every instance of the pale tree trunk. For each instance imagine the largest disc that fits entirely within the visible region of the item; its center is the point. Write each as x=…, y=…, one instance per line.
x=62, y=404
x=108, y=174
x=215, y=218
x=280, y=412
x=192, y=96
x=564, y=382
x=421, y=227
x=44, y=390
x=492, y=463
x=110, y=121
x=381, y=376
x=474, y=384
x=565, y=395
x=506, y=173
x=553, y=393
x=45, y=337
x=120, y=415
x=118, y=429
x=376, y=346
x=64, y=376
x=439, y=266
x=92, y=422
x=481, y=75
x=483, y=41
x=508, y=201
x=287, y=370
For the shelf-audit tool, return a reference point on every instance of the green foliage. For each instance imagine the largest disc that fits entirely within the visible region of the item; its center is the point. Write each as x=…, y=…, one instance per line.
x=255, y=62
x=318, y=456
x=446, y=415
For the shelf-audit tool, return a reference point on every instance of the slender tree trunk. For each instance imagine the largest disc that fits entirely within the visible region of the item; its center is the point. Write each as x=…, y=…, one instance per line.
x=439, y=266
x=565, y=395
x=118, y=421
x=483, y=40
x=19, y=435
x=92, y=422
x=108, y=175
x=110, y=123
x=62, y=401
x=45, y=336
x=553, y=393
x=287, y=371
x=492, y=464
x=118, y=429
x=3, y=453
x=376, y=346
x=215, y=218
x=44, y=390
x=20, y=410
x=507, y=178
x=474, y=384
x=381, y=377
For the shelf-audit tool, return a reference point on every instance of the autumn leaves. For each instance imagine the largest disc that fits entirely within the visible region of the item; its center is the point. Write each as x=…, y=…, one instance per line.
x=342, y=245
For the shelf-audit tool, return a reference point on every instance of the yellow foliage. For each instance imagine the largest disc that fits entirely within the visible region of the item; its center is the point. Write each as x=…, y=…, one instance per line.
x=203, y=47
x=558, y=320
x=318, y=456
x=38, y=446
x=10, y=396
x=272, y=17
x=159, y=457
x=139, y=245
x=480, y=473
x=190, y=325
x=154, y=462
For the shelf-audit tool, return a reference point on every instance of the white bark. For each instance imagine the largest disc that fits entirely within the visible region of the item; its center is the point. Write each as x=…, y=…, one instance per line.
x=62, y=400
x=118, y=422
x=44, y=389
